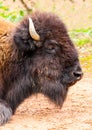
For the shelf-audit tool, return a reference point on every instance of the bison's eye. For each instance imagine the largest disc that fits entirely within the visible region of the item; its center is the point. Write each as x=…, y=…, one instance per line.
x=51, y=47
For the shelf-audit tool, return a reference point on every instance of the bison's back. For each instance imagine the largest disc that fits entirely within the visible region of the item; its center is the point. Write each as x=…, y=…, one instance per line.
x=6, y=29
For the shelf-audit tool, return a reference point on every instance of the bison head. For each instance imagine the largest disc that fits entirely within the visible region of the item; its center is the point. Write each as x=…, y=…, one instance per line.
x=51, y=57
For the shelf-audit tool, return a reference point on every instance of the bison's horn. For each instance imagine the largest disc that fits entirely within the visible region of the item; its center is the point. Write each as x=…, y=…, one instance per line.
x=32, y=31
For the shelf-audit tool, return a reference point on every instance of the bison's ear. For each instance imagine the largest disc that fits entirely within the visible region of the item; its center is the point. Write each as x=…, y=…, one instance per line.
x=32, y=31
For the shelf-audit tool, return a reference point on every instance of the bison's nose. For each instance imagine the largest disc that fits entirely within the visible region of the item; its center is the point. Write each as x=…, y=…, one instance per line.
x=78, y=74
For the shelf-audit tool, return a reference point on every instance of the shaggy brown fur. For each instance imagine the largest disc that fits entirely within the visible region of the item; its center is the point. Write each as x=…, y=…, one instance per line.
x=48, y=66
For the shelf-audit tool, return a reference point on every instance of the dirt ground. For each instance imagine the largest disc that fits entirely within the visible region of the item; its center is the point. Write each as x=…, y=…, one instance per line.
x=37, y=113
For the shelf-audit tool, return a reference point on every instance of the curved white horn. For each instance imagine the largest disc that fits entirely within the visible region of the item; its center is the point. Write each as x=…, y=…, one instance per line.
x=32, y=31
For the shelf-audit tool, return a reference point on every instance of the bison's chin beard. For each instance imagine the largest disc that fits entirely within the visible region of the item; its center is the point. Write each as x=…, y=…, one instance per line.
x=55, y=92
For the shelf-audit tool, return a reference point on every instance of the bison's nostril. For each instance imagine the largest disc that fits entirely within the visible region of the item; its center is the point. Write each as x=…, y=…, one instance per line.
x=78, y=75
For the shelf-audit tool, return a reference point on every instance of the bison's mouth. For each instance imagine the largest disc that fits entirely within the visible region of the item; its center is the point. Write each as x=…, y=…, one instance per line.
x=74, y=82
x=69, y=83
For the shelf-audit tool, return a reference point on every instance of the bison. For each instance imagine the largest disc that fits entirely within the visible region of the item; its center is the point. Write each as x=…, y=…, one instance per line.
x=36, y=56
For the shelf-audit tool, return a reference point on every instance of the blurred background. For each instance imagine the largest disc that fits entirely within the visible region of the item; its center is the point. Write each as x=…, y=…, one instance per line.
x=76, y=14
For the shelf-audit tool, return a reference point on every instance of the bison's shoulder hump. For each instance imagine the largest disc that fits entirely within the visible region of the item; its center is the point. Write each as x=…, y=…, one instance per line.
x=5, y=27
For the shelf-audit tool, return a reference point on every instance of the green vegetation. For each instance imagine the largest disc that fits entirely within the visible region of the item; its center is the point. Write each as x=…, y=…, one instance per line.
x=13, y=16
x=82, y=37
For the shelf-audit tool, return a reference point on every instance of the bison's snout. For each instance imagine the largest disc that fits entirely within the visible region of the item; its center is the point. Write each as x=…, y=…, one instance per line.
x=78, y=74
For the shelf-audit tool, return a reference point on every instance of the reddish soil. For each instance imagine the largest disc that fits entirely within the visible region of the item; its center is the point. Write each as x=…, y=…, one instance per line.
x=37, y=113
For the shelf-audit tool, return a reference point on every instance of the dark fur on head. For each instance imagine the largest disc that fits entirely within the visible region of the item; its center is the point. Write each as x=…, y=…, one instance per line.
x=48, y=66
